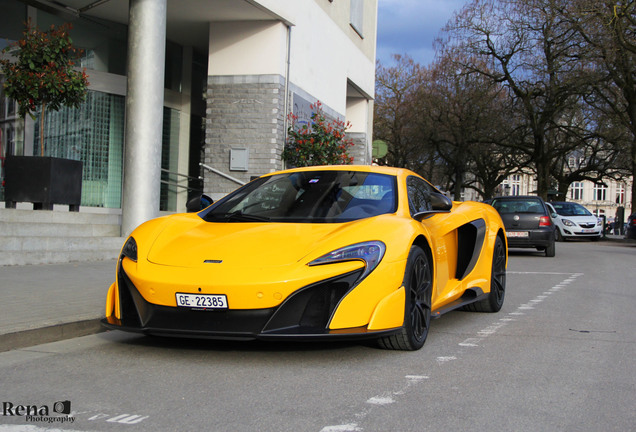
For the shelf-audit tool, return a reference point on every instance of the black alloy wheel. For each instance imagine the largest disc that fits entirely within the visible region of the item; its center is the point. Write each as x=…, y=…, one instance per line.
x=495, y=299
x=418, y=282
x=498, y=278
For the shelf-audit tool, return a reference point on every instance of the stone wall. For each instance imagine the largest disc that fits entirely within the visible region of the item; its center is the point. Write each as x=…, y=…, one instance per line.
x=243, y=112
x=247, y=112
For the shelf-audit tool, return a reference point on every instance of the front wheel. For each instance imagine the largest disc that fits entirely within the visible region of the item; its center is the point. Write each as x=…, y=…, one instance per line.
x=418, y=283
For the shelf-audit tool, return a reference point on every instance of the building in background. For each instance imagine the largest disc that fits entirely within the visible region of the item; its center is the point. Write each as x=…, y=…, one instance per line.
x=602, y=199
x=233, y=71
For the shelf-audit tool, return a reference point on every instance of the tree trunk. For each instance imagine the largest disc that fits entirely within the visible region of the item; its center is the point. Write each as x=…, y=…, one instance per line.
x=42, y=129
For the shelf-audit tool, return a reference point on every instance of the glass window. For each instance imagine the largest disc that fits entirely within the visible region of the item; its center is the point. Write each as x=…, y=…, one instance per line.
x=576, y=191
x=12, y=19
x=308, y=196
x=419, y=193
x=570, y=209
x=512, y=185
x=357, y=16
x=170, y=160
x=94, y=134
x=174, y=66
x=519, y=205
x=620, y=194
x=600, y=192
x=104, y=43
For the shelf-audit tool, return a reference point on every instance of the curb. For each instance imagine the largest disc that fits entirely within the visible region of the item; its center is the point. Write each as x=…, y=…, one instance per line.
x=37, y=336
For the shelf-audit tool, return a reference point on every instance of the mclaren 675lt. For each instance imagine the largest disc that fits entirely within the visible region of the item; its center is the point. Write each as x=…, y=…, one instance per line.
x=311, y=253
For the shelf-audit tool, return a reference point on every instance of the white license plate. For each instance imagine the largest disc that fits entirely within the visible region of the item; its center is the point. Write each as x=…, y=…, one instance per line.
x=516, y=233
x=203, y=301
x=589, y=230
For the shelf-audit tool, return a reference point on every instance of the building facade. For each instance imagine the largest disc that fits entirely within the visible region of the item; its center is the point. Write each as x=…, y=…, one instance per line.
x=232, y=72
x=602, y=199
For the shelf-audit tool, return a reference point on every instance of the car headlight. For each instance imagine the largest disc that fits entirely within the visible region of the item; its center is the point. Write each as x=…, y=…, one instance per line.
x=599, y=221
x=568, y=222
x=130, y=249
x=370, y=253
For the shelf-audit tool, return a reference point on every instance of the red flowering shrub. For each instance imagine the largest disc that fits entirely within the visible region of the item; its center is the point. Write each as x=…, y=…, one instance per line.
x=322, y=142
x=42, y=74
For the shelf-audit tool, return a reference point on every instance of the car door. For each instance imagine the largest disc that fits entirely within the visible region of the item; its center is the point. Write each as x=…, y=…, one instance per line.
x=442, y=229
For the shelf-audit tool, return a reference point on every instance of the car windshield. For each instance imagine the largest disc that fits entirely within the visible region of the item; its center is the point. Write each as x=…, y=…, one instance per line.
x=571, y=209
x=521, y=205
x=308, y=196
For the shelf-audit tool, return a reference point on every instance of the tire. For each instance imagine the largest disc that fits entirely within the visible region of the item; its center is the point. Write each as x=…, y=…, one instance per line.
x=495, y=299
x=558, y=236
x=550, y=251
x=418, y=282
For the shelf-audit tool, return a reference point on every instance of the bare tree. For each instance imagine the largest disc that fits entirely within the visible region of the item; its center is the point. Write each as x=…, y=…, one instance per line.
x=465, y=114
x=395, y=118
x=608, y=29
x=597, y=153
x=528, y=47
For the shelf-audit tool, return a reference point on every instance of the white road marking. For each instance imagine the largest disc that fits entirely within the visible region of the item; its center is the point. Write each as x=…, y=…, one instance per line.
x=470, y=343
x=350, y=427
x=416, y=378
x=380, y=400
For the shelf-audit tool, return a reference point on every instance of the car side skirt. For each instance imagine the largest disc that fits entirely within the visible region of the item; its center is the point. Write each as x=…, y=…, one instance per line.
x=471, y=295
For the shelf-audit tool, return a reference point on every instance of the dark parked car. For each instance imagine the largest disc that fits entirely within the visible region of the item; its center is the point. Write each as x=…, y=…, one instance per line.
x=630, y=232
x=527, y=221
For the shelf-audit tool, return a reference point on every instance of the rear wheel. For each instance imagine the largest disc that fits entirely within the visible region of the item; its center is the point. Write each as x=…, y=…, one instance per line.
x=495, y=299
x=418, y=283
x=550, y=251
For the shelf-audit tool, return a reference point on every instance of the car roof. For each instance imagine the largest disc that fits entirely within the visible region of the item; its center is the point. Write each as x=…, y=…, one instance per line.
x=517, y=197
x=364, y=168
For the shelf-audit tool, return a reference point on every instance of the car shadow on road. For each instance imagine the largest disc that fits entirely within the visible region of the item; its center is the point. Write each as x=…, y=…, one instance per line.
x=198, y=344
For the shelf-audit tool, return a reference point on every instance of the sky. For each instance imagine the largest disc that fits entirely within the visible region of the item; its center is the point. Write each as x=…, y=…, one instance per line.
x=411, y=26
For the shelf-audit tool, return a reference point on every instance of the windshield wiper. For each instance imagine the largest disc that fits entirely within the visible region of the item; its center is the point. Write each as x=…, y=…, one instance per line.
x=240, y=216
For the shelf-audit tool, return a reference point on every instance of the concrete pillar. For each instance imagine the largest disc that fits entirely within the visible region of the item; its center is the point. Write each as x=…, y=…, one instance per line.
x=144, y=112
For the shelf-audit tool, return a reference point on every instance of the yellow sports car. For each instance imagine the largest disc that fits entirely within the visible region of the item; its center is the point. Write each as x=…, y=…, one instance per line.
x=320, y=252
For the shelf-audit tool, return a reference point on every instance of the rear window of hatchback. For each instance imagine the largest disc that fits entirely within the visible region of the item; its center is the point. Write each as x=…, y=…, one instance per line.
x=522, y=205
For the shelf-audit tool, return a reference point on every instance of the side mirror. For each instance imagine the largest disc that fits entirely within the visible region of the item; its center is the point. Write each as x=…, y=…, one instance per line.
x=198, y=203
x=439, y=204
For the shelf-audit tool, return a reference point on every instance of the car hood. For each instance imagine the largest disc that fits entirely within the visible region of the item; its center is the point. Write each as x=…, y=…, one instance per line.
x=190, y=243
x=580, y=219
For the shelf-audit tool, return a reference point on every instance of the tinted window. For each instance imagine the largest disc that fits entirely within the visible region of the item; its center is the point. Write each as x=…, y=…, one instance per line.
x=419, y=193
x=521, y=205
x=309, y=196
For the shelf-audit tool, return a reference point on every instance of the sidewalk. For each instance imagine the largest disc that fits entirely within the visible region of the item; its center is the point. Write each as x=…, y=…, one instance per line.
x=49, y=302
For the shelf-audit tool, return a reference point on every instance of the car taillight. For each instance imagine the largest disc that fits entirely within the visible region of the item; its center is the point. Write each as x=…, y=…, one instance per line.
x=545, y=221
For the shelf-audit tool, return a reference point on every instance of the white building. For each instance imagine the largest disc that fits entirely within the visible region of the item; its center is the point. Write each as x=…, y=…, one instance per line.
x=600, y=199
x=179, y=83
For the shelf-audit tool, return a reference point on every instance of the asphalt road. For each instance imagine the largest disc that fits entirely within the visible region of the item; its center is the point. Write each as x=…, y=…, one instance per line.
x=560, y=356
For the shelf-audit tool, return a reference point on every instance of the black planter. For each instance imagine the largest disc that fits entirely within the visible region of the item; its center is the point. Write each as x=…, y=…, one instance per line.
x=43, y=181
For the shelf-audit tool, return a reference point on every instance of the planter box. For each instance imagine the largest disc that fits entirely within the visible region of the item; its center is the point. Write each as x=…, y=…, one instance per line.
x=43, y=181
